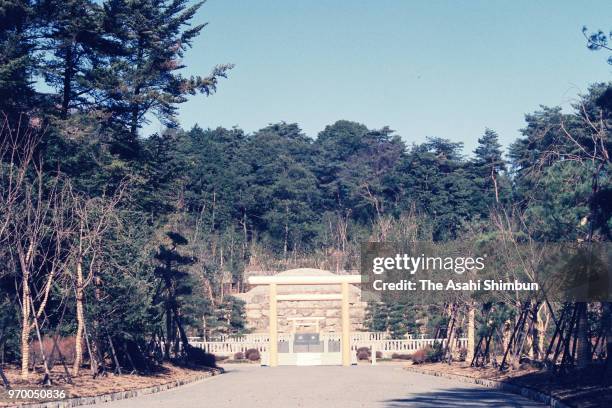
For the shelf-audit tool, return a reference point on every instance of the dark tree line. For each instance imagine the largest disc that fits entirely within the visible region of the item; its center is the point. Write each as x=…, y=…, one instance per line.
x=91, y=211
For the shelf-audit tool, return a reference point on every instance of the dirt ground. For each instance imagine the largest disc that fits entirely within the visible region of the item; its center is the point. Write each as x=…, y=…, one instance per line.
x=86, y=385
x=581, y=389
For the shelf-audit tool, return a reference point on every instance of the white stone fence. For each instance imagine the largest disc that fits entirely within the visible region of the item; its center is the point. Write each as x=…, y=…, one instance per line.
x=265, y=337
x=376, y=341
x=388, y=347
x=229, y=348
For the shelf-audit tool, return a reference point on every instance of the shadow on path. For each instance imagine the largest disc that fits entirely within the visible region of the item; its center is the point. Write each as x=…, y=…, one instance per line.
x=458, y=397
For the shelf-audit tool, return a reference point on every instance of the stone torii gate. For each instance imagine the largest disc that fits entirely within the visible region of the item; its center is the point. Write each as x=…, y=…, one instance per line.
x=343, y=296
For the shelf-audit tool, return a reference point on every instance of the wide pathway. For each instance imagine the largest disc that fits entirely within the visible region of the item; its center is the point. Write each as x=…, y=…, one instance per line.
x=252, y=386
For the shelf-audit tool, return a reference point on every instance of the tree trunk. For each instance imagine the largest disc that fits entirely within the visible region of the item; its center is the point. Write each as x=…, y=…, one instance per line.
x=608, y=330
x=286, y=231
x=67, y=80
x=506, y=333
x=542, y=326
x=494, y=178
x=244, y=231
x=25, y=327
x=47, y=379
x=24, y=262
x=80, y=316
x=471, y=331
x=583, y=353
x=134, y=121
x=212, y=215
x=169, y=333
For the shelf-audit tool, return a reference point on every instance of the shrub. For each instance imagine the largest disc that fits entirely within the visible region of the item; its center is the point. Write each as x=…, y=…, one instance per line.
x=66, y=346
x=239, y=356
x=434, y=353
x=133, y=357
x=363, y=350
x=221, y=358
x=421, y=355
x=252, y=354
x=462, y=354
x=398, y=356
x=363, y=354
x=379, y=354
x=200, y=357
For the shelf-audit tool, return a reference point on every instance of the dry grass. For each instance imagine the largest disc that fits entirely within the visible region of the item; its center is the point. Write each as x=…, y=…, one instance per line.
x=85, y=385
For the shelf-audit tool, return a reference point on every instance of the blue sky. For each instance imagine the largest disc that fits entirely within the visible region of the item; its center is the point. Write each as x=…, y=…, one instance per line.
x=425, y=68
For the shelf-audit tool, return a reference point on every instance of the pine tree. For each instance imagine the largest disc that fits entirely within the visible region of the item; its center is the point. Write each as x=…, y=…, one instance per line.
x=16, y=59
x=145, y=78
x=377, y=316
x=280, y=178
x=434, y=178
x=216, y=175
x=354, y=165
x=77, y=50
x=174, y=285
x=487, y=167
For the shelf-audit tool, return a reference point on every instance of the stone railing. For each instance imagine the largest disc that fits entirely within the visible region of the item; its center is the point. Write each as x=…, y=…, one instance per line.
x=227, y=348
x=245, y=338
x=379, y=343
x=265, y=337
x=405, y=346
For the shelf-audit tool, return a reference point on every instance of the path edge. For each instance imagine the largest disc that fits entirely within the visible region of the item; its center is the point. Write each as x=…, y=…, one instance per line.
x=532, y=394
x=119, y=395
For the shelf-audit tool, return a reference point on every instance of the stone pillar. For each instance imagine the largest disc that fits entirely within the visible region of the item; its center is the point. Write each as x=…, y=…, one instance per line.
x=346, y=325
x=273, y=346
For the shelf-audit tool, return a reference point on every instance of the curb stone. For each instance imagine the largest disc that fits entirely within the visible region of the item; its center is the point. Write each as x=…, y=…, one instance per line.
x=527, y=392
x=119, y=395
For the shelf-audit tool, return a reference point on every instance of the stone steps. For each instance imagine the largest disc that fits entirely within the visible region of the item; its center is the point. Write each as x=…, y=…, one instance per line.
x=309, y=359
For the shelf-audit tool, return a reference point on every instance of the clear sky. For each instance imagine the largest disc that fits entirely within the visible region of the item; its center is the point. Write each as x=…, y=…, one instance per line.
x=424, y=68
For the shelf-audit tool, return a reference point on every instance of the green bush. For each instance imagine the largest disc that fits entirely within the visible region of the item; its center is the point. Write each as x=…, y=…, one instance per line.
x=434, y=353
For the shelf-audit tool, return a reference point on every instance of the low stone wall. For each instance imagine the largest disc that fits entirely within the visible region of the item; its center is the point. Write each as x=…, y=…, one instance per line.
x=527, y=392
x=120, y=395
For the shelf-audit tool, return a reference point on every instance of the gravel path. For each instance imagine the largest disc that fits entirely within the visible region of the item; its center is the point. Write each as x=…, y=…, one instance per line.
x=325, y=386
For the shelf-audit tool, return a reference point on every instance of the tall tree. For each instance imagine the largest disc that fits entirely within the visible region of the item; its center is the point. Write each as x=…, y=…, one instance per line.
x=174, y=285
x=16, y=56
x=434, y=178
x=216, y=176
x=146, y=78
x=280, y=179
x=76, y=50
x=488, y=166
x=353, y=164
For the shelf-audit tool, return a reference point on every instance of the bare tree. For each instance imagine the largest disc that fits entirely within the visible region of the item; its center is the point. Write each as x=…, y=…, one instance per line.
x=92, y=218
